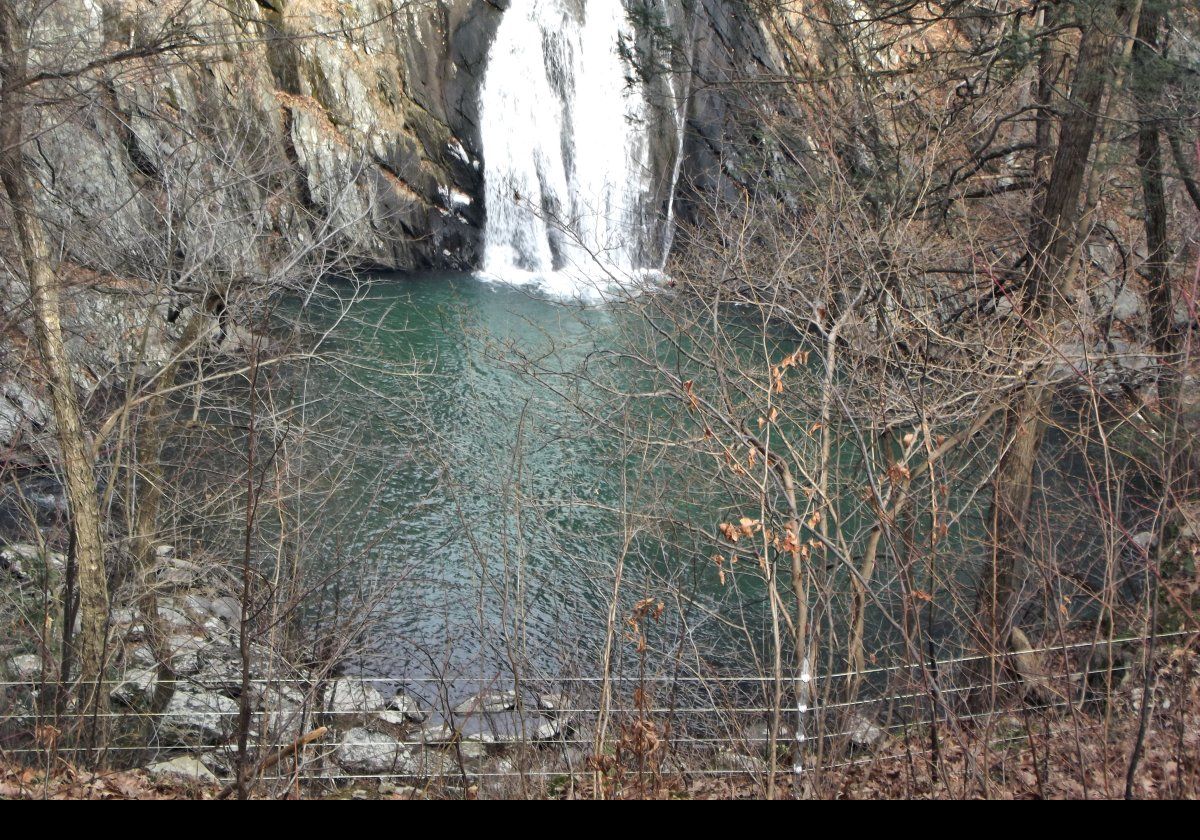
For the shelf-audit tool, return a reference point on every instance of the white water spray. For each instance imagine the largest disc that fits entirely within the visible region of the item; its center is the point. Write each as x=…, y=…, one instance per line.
x=566, y=146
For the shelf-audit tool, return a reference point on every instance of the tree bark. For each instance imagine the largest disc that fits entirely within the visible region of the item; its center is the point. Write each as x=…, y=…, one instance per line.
x=1165, y=336
x=1181, y=164
x=147, y=505
x=77, y=464
x=1052, y=236
x=78, y=467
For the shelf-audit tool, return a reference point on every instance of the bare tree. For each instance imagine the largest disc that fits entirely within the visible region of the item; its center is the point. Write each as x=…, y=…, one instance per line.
x=78, y=464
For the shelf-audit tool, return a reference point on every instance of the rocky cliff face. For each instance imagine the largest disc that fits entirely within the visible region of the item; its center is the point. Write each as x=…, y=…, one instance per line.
x=342, y=123
x=732, y=61
x=360, y=113
x=363, y=113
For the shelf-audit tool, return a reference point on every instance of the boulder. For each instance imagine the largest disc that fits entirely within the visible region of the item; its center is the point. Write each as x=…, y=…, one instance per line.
x=434, y=733
x=364, y=751
x=226, y=608
x=399, y=791
x=759, y=735
x=197, y=718
x=283, y=715
x=25, y=668
x=735, y=762
x=140, y=656
x=472, y=749
x=219, y=669
x=136, y=687
x=391, y=720
x=221, y=762
x=174, y=620
x=214, y=613
x=490, y=702
x=863, y=732
x=280, y=694
x=484, y=737
x=408, y=707
x=174, y=573
x=552, y=702
x=512, y=727
x=173, y=615
x=197, y=605
x=1128, y=306
x=21, y=560
x=123, y=617
x=10, y=564
x=352, y=697
x=185, y=653
x=185, y=767
x=1144, y=542
x=280, y=726
x=214, y=628
x=432, y=764
x=551, y=729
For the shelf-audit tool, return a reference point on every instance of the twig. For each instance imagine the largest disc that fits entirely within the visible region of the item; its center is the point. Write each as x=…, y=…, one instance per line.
x=276, y=757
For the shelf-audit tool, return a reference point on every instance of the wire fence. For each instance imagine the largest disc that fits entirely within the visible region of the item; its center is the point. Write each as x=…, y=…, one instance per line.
x=508, y=732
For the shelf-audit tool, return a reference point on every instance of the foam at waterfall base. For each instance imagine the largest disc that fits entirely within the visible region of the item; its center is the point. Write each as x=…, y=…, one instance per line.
x=562, y=285
x=574, y=286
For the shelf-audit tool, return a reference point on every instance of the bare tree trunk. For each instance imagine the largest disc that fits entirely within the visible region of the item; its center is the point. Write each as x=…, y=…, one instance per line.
x=1048, y=68
x=1051, y=240
x=1147, y=87
x=1012, y=489
x=147, y=507
x=1183, y=170
x=77, y=463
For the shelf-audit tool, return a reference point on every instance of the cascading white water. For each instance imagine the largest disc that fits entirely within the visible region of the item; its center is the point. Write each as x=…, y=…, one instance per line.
x=566, y=149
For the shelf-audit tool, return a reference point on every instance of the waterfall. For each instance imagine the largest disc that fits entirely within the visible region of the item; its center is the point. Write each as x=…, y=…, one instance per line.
x=566, y=147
